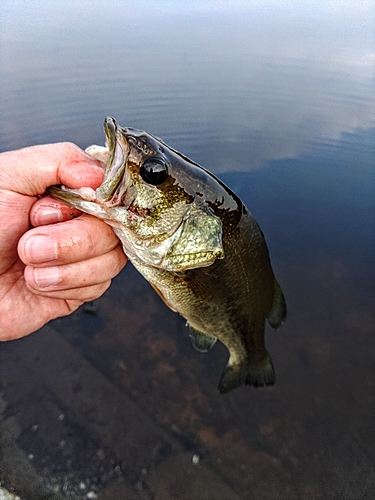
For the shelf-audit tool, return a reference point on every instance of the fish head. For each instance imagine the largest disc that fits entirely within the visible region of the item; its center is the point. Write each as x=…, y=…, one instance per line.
x=156, y=200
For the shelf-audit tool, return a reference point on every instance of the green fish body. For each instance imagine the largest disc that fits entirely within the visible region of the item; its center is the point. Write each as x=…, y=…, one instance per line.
x=195, y=242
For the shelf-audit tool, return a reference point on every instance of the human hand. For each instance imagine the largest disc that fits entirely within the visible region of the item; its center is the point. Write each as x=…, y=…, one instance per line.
x=52, y=261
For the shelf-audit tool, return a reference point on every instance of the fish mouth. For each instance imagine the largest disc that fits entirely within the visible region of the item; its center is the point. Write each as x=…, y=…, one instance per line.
x=118, y=152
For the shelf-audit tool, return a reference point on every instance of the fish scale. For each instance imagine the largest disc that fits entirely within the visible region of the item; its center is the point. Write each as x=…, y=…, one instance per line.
x=196, y=243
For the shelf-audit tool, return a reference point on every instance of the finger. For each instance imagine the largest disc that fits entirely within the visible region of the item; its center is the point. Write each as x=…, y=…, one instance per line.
x=67, y=242
x=83, y=294
x=30, y=171
x=80, y=274
x=47, y=210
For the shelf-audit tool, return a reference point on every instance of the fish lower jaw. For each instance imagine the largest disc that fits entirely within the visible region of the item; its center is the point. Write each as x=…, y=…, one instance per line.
x=72, y=196
x=87, y=193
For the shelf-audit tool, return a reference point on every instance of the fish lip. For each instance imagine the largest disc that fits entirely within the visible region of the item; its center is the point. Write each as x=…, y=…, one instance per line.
x=118, y=153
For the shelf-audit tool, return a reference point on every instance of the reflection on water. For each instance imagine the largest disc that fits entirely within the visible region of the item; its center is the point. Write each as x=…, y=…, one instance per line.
x=277, y=99
x=259, y=83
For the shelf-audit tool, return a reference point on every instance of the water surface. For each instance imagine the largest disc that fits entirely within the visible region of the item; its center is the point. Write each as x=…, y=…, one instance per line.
x=277, y=99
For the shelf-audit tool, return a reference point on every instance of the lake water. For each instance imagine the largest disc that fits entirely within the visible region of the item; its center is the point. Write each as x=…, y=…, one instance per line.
x=276, y=98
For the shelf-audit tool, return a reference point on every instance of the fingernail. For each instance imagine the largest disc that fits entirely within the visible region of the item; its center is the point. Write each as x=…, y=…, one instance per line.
x=47, y=215
x=47, y=276
x=40, y=248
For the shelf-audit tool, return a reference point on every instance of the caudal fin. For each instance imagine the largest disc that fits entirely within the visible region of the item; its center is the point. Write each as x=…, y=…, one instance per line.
x=257, y=375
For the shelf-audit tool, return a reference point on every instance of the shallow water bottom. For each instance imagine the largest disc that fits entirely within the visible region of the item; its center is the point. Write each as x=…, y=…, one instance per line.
x=113, y=402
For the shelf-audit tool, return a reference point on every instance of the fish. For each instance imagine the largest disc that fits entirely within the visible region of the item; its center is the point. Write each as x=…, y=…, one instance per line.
x=194, y=241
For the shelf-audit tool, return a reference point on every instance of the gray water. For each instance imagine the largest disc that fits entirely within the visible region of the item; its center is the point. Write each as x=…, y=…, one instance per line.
x=277, y=99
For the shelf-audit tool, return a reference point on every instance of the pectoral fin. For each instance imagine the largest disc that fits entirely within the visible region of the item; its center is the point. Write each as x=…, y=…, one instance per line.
x=201, y=341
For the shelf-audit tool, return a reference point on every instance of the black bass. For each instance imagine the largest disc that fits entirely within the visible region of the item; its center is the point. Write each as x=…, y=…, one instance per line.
x=195, y=242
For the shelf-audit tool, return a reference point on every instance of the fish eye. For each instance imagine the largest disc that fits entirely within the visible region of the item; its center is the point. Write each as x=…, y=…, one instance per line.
x=154, y=171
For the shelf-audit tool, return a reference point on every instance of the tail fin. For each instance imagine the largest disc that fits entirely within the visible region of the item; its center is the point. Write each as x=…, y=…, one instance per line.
x=257, y=375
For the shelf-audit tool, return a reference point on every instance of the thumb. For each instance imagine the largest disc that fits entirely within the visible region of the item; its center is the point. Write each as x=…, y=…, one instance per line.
x=30, y=171
x=25, y=174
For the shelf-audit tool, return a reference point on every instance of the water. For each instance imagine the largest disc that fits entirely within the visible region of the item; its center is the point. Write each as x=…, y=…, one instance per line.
x=277, y=99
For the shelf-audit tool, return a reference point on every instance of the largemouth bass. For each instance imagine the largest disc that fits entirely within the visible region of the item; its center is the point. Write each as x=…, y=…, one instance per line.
x=195, y=242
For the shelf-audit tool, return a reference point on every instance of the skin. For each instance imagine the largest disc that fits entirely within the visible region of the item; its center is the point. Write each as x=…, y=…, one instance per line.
x=53, y=259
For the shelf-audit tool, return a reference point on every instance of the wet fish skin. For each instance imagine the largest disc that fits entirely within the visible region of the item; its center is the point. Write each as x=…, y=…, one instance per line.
x=196, y=243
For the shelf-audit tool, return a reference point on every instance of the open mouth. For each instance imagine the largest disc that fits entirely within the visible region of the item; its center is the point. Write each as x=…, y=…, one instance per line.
x=114, y=185
x=117, y=156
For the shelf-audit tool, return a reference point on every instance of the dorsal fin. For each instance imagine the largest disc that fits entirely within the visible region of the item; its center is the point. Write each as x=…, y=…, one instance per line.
x=278, y=312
